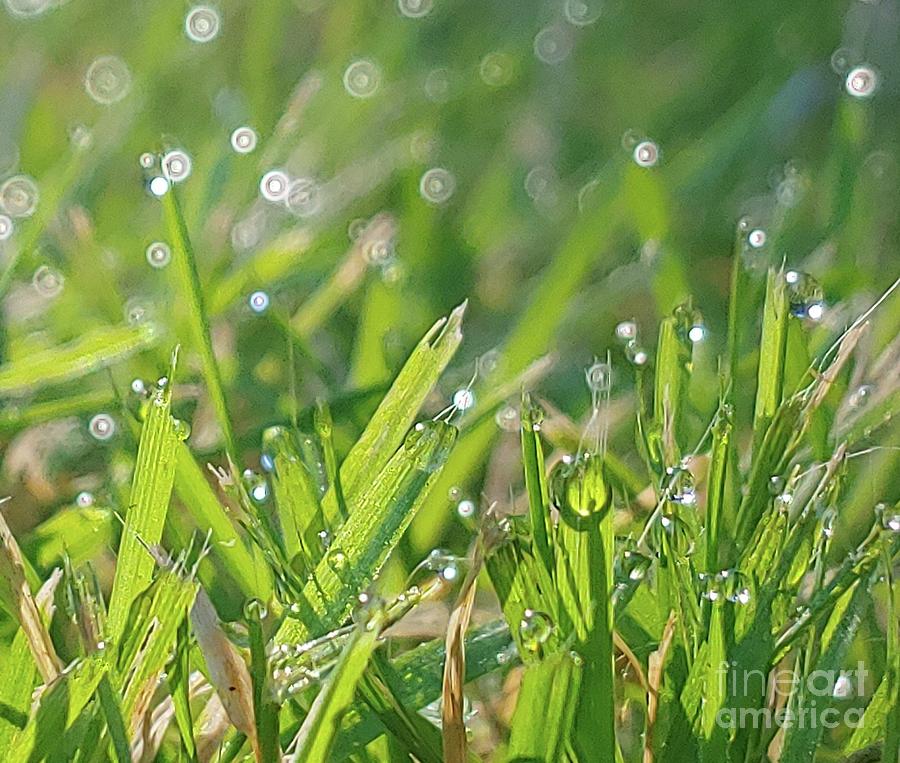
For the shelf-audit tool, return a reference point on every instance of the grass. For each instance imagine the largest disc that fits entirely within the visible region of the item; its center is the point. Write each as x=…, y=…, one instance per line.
x=635, y=489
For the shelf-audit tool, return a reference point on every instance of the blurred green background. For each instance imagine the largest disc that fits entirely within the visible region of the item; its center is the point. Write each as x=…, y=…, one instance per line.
x=552, y=231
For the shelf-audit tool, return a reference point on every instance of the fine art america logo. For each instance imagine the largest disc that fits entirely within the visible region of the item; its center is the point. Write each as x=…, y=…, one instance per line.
x=822, y=699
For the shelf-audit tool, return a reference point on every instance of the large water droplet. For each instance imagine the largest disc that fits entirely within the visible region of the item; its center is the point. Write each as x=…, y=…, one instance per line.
x=362, y=78
x=243, y=140
x=437, y=185
x=804, y=295
x=102, y=426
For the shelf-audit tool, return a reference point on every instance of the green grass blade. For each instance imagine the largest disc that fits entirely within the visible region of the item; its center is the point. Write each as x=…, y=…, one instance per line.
x=772, y=347
x=673, y=357
x=151, y=490
x=397, y=411
x=376, y=523
x=91, y=351
x=321, y=725
x=112, y=711
x=545, y=711
x=189, y=280
x=419, y=677
x=179, y=685
x=801, y=741
x=536, y=484
x=200, y=501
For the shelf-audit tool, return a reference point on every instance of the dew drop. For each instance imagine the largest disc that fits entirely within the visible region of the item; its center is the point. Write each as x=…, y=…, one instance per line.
x=437, y=185
x=697, y=332
x=138, y=387
x=757, y=238
x=535, y=628
x=636, y=354
x=861, y=395
x=147, y=160
x=337, y=560
x=776, y=485
x=107, y=80
x=507, y=419
x=102, y=427
x=496, y=69
x=19, y=196
x=159, y=254
x=415, y=9
x=466, y=509
x=181, y=429
x=255, y=609
x=258, y=301
x=626, y=331
x=841, y=60
x=861, y=82
x=437, y=85
x=804, y=296
x=27, y=8
x=84, y=499
x=582, y=12
x=303, y=197
x=176, y=166
x=463, y=399
x=243, y=140
x=48, y=281
x=201, y=24
x=553, y=44
x=6, y=227
x=158, y=186
x=273, y=186
x=362, y=78
x=646, y=154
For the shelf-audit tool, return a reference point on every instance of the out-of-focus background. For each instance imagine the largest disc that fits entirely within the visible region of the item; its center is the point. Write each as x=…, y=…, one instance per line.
x=563, y=165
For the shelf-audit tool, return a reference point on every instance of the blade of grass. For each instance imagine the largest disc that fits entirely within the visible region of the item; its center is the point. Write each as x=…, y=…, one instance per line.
x=192, y=292
x=772, y=346
x=416, y=679
x=151, y=490
x=376, y=524
x=316, y=735
x=93, y=350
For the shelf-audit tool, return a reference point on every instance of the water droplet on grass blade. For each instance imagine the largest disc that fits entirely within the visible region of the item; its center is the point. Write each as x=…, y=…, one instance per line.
x=19, y=196
x=303, y=197
x=496, y=69
x=437, y=185
x=464, y=399
x=415, y=9
x=636, y=354
x=646, y=154
x=158, y=186
x=159, y=254
x=757, y=238
x=6, y=227
x=805, y=296
x=259, y=302
x=202, y=23
x=466, y=508
x=552, y=44
x=102, y=427
x=84, y=500
x=48, y=281
x=362, y=78
x=147, y=160
x=861, y=82
x=273, y=186
x=582, y=12
x=861, y=395
x=176, y=165
x=626, y=331
x=107, y=80
x=243, y=140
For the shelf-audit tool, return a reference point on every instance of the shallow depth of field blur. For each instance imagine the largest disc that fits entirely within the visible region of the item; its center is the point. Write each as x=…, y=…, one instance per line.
x=565, y=165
